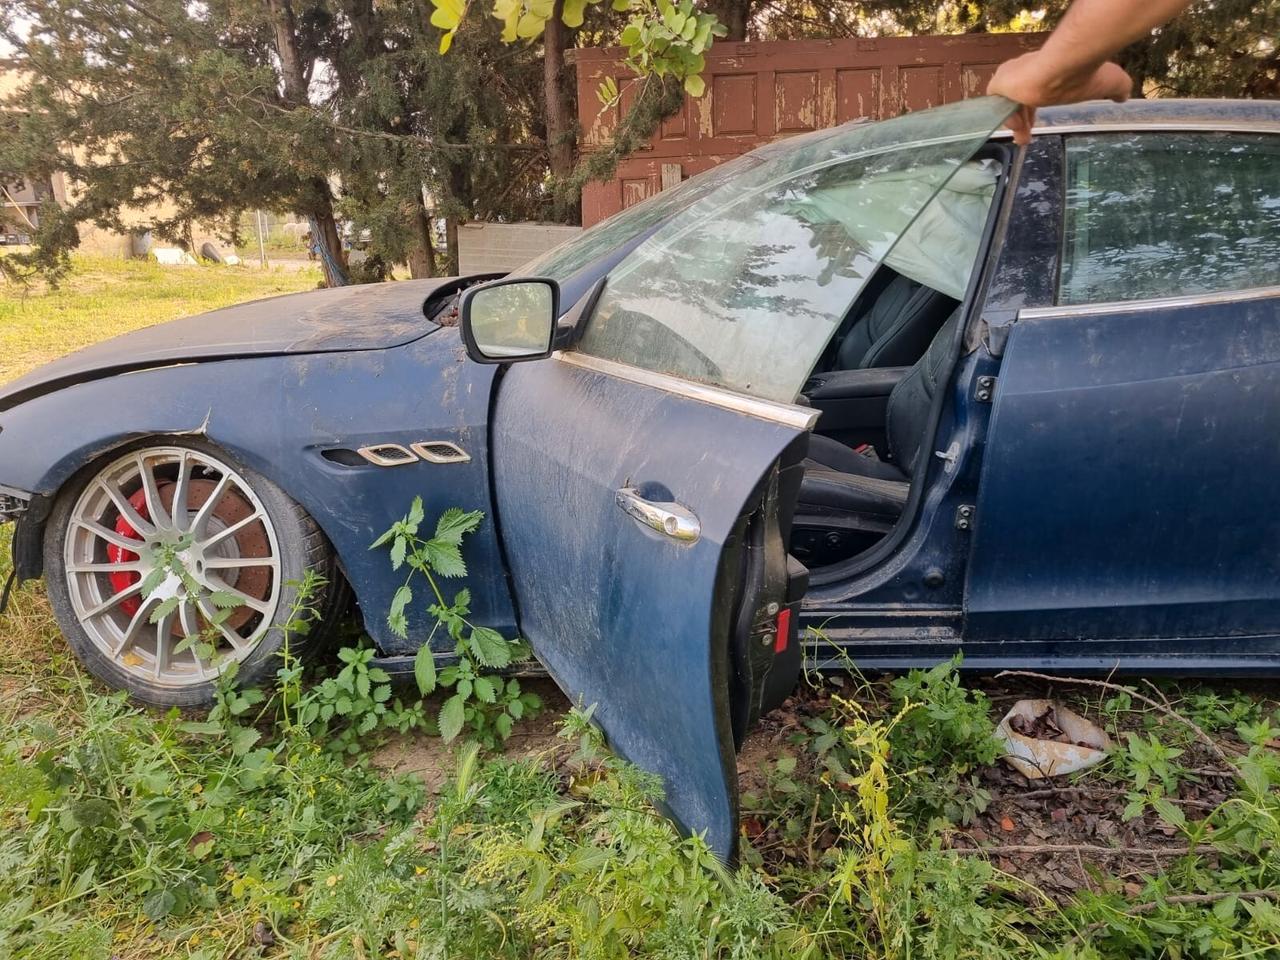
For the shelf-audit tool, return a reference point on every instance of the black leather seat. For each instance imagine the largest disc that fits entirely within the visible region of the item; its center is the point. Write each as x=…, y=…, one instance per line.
x=857, y=492
x=894, y=328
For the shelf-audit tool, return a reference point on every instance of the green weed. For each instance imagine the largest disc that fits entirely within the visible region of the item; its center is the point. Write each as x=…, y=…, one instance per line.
x=481, y=699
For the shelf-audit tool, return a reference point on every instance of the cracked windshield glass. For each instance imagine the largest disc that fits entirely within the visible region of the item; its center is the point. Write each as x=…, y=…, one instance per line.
x=744, y=287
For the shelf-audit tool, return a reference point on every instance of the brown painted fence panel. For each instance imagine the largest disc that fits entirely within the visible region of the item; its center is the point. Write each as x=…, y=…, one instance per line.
x=757, y=92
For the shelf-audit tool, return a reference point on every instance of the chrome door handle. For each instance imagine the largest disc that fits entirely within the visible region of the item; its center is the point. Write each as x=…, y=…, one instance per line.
x=669, y=519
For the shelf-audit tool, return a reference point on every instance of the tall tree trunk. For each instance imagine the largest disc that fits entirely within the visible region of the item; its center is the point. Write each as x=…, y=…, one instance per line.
x=335, y=264
x=294, y=76
x=734, y=14
x=561, y=145
x=422, y=258
x=459, y=206
x=451, y=245
x=292, y=72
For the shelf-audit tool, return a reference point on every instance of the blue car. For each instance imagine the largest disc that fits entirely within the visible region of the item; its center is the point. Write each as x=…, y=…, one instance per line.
x=900, y=389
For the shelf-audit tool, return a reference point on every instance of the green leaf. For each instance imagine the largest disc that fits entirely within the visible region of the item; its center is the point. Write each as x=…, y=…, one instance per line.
x=396, y=619
x=243, y=739
x=1225, y=909
x=164, y=608
x=573, y=12
x=92, y=812
x=158, y=904
x=224, y=599
x=1170, y=813
x=490, y=648
x=416, y=513
x=384, y=538
x=445, y=558
x=424, y=670
x=484, y=691
x=399, y=624
x=529, y=26
x=201, y=727
x=155, y=576
x=397, y=552
x=452, y=715
x=362, y=684
x=453, y=525
x=695, y=86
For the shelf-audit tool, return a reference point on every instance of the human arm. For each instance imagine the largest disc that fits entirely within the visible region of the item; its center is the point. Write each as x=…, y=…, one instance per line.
x=1073, y=65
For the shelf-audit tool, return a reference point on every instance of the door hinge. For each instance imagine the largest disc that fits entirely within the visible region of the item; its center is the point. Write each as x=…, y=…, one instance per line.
x=965, y=514
x=985, y=390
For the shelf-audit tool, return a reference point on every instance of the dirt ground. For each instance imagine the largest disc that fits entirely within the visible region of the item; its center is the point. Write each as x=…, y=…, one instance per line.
x=431, y=759
x=1062, y=834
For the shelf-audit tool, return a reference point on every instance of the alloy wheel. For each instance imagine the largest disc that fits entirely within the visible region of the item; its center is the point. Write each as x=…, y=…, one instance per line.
x=172, y=565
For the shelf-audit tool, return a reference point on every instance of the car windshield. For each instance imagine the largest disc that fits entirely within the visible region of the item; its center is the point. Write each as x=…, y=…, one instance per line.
x=744, y=286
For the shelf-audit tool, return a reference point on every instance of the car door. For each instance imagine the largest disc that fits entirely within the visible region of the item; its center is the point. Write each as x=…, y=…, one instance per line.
x=644, y=478
x=1128, y=483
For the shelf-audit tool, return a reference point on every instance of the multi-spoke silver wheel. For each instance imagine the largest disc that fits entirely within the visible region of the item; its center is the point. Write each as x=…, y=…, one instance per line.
x=172, y=565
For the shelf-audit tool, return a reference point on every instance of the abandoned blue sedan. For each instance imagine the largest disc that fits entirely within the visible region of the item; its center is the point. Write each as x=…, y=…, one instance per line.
x=898, y=389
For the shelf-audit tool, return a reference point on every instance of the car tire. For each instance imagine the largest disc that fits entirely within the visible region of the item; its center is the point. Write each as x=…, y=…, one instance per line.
x=240, y=536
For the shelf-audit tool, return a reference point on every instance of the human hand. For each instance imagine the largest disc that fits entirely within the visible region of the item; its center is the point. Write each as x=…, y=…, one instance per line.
x=1041, y=79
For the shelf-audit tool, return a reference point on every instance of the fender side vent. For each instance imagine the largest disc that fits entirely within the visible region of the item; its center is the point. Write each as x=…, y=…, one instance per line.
x=347, y=458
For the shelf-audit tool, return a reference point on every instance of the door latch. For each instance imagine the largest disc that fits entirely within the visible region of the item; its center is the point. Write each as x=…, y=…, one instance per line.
x=949, y=456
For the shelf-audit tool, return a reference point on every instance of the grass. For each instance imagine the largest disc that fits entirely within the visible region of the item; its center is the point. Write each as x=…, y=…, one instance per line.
x=876, y=823
x=105, y=297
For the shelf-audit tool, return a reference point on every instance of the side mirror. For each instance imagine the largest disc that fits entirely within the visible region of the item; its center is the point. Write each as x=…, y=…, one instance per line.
x=508, y=320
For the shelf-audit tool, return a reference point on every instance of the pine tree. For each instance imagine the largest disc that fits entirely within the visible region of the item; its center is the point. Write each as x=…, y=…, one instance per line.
x=201, y=112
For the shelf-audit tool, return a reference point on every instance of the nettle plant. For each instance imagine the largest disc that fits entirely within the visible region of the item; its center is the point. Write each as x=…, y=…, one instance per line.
x=216, y=606
x=481, y=698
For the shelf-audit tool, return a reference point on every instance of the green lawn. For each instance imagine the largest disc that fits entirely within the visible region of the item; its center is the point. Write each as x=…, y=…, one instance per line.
x=877, y=820
x=103, y=298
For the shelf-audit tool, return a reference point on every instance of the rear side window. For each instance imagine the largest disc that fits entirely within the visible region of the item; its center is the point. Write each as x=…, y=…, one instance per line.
x=1169, y=214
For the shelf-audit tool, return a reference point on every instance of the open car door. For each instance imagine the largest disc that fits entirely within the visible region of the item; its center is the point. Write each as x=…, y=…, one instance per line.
x=644, y=477
x=628, y=511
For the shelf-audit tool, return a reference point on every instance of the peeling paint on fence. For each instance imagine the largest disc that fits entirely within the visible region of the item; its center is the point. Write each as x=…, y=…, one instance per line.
x=757, y=92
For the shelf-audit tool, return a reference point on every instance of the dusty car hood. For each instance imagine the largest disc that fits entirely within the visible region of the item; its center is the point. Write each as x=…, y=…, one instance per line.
x=364, y=317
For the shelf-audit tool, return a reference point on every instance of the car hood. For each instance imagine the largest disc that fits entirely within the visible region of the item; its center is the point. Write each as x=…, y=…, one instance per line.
x=363, y=317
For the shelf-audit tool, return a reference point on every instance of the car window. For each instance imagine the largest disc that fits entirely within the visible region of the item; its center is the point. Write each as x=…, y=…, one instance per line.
x=563, y=261
x=1166, y=214
x=745, y=286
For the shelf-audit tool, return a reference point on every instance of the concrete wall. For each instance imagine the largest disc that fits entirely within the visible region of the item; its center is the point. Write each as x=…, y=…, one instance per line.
x=501, y=247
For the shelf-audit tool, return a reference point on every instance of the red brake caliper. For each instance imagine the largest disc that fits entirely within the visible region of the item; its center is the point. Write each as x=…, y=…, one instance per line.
x=122, y=580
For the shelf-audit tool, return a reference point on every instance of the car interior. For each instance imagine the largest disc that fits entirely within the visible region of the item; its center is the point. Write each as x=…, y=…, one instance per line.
x=875, y=385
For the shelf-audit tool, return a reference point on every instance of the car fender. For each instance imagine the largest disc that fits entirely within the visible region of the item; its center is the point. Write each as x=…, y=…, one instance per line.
x=281, y=415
